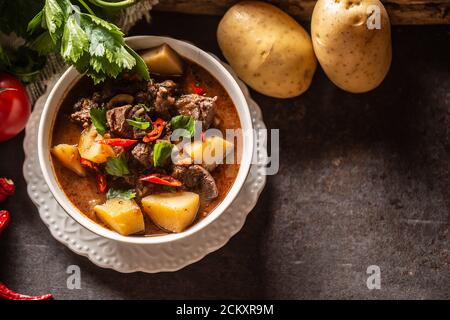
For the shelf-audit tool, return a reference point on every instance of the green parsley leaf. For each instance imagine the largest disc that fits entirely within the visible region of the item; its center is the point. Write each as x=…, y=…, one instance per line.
x=117, y=166
x=74, y=41
x=107, y=53
x=184, y=122
x=161, y=152
x=141, y=67
x=139, y=123
x=92, y=45
x=98, y=118
x=124, y=194
x=36, y=22
x=55, y=14
x=43, y=44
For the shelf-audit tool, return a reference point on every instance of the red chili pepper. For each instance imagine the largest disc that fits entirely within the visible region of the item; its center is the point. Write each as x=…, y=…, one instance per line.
x=158, y=127
x=101, y=178
x=5, y=292
x=88, y=163
x=203, y=136
x=8, y=294
x=4, y=219
x=118, y=142
x=198, y=89
x=6, y=188
x=101, y=182
x=162, y=179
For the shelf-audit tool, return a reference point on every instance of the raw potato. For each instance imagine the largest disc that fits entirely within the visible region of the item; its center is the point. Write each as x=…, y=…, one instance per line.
x=69, y=156
x=210, y=152
x=267, y=48
x=121, y=215
x=163, y=60
x=353, y=56
x=91, y=150
x=172, y=211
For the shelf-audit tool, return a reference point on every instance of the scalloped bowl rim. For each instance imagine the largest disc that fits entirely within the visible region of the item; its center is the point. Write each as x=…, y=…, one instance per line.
x=65, y=84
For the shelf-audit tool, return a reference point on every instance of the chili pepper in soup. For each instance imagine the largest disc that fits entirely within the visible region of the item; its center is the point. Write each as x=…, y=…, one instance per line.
x=122, y=131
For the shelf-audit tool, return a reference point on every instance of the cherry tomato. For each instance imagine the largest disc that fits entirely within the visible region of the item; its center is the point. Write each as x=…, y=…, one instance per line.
x=15, y=107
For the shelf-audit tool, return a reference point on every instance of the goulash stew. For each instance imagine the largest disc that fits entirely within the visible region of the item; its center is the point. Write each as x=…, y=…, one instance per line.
x=130, y=154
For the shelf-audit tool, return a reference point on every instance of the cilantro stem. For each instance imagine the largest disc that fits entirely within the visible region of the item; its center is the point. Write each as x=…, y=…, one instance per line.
x=86, y=7
x=108, y=4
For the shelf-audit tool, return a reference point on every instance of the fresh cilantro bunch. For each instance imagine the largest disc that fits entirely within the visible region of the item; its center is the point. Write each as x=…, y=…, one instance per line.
x=94, y=46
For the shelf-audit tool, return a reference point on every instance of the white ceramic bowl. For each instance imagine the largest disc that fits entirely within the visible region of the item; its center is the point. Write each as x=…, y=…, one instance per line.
x=71, y=76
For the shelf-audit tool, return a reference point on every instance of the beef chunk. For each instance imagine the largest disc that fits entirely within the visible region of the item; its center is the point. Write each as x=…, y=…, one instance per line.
x=196, y=177
x=199, y=107
x=82, y=109
x=159, y=97
x=163, y=95
x=190, y=178
x=142, y=153
x=117, y=121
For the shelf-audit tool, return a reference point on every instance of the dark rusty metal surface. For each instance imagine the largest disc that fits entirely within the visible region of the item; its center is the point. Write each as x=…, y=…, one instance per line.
x=364, y=180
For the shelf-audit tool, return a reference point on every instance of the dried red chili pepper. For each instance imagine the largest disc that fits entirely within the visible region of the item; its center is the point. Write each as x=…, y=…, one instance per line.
x=158, y=127
x=4, y=219
x=101, y=182
x=5, y=292
x=117, y=142
x=198, y=89
x=6, y=188
x=8, y=294
x=162, y=179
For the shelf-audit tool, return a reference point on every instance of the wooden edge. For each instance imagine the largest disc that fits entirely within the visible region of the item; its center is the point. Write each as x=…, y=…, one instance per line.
x=401, y=12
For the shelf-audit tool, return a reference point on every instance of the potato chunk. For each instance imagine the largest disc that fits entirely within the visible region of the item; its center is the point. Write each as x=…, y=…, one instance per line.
x=121, y=215
x=69, y=156
x=163, y=60
x=91, y=150
x=209, y=153
x=172, y=211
